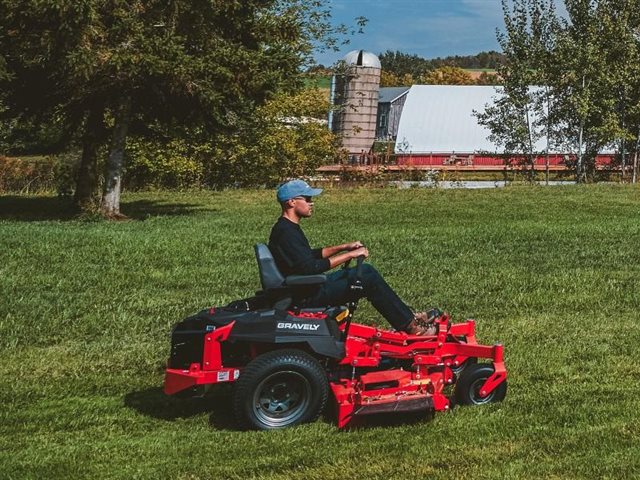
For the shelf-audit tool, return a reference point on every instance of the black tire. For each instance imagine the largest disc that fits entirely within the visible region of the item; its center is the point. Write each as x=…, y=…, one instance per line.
x=467, y=390
x=280, y=389
x=457, y=371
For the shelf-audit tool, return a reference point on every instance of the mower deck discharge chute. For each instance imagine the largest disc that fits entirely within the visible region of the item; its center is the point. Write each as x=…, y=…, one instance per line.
x=285, y=361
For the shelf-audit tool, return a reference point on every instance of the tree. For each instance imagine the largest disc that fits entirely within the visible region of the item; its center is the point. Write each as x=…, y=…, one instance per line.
x=287, y=138
x=488, y=78
x=512, y=118
x=389, y=79
x=620, y=30
x=448, y=76
x=401, y=64
x=580, y=85
x=110, y=68
x=586, y=67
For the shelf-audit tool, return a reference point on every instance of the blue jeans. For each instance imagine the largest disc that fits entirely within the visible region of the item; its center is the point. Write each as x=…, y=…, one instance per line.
x=337, y=291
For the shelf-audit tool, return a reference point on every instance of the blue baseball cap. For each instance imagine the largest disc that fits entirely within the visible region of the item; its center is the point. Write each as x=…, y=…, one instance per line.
x=296, y=188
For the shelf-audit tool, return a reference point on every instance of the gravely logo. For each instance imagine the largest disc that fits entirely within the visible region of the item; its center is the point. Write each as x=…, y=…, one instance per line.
x=299, y=326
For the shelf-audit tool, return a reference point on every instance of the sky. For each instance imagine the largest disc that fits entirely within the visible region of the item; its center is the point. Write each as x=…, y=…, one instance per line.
x=427, y=28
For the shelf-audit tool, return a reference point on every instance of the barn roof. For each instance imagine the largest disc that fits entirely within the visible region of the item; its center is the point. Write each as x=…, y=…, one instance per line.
x=440, y=119
x=389, y=94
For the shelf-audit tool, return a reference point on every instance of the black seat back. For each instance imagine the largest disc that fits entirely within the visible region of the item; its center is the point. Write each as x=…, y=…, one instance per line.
x=270, y=276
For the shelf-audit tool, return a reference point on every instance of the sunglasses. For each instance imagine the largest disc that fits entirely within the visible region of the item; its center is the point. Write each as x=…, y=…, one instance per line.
x=306, y=198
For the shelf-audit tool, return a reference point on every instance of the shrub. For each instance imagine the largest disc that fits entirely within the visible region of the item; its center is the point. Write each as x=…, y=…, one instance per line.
x=37, y=174
x=172, y=164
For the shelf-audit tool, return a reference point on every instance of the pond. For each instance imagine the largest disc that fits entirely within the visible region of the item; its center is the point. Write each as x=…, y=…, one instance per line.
x=470, y=184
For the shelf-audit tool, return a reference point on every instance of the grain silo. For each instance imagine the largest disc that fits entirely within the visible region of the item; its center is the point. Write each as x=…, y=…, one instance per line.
x=354, y=93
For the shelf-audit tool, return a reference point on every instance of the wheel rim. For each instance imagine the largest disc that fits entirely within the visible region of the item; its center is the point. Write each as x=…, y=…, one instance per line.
x=474, y=392
x=281, y=398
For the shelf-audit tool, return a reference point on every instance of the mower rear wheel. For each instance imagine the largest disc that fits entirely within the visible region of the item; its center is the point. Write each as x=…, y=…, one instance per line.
x=280, y=389
x=472, y=377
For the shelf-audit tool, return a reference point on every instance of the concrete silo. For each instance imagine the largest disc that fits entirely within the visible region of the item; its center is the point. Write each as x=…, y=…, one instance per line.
x=354, y=92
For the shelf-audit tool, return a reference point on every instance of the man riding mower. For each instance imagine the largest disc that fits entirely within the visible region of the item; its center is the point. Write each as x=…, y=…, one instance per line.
x=285, y=354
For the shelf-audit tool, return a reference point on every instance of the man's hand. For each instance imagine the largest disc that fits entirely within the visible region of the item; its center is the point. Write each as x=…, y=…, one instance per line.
x=341, y=254
x=328, y=252
x=354, y=245
x=360, y=251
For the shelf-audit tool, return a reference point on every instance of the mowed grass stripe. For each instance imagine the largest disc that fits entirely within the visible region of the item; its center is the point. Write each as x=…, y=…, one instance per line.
x=87, y=307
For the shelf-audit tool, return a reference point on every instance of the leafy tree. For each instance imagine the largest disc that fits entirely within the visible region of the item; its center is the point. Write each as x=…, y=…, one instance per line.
x=511, y=118
x=587, y=69
x=288, y=138
x=389, y=79
x=448, y=76
x=488, y=60
x=488, y=78
x=580, y=84
x=620, y=31
x=402, y=64
x=110, y=68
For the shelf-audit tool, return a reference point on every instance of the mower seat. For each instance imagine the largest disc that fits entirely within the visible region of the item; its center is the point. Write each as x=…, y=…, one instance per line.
x=282, y=289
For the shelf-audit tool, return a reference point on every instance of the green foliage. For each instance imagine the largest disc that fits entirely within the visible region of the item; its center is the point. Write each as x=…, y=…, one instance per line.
x=587, y=66
x=24, y=136
x=174, y=164
x=288, y=138
x=200, y=66
x=444, y=75
x=447, y=76
x=489, y=78
x=87, y=307
x=400, y=64
x=37, y=174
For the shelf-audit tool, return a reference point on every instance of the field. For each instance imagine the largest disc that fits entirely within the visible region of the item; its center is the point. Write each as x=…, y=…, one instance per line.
x=87, y=306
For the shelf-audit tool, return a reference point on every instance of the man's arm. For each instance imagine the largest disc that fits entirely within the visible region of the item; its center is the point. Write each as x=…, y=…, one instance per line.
x=345, y=247
x=346, y=256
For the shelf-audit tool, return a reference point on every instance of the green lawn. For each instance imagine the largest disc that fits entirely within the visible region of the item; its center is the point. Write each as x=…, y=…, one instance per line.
x=86, y=310
x=318, y=81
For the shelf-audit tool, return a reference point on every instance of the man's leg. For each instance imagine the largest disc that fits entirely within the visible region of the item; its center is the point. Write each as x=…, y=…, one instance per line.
x=337, y=290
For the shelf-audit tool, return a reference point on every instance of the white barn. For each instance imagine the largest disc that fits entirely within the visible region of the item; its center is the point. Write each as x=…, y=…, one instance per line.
x=439, y=119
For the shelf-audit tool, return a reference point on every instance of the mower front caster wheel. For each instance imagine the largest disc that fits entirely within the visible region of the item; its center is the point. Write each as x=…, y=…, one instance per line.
x=472, y=377
x=457, y=371
x=280, y=389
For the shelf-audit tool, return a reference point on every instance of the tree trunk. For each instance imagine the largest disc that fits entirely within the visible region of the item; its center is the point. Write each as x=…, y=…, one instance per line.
x=532, y=168
x=579, y=162
x=579, y=166
x=635, y=159
x=113, y=178
x=546, y=156
x=624, y=163
x=85, y=196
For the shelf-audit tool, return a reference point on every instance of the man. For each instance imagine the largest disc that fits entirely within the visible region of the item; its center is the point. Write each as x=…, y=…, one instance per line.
x=293, y=255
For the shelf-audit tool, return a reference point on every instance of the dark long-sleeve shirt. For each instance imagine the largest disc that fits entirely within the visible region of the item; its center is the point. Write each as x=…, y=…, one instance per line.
x=292, y=252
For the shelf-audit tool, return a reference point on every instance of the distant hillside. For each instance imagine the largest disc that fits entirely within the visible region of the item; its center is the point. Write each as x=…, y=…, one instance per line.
x=401, y=64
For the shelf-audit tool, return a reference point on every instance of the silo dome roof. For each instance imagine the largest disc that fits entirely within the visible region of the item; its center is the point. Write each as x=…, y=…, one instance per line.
x=362, y=58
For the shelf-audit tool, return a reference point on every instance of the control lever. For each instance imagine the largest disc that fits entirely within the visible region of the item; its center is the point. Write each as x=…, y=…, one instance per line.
x=357, y=285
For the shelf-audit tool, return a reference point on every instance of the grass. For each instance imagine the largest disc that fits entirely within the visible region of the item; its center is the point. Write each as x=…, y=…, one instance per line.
x=318, y=81
x=87, y=308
